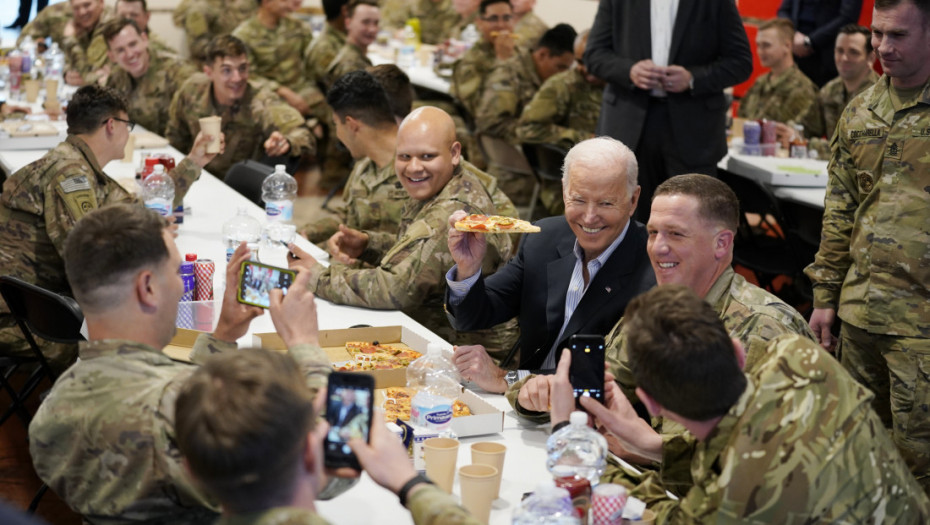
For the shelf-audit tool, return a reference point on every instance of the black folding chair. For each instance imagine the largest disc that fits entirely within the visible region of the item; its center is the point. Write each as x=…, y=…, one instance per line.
x=247, y=177
x=546, y=161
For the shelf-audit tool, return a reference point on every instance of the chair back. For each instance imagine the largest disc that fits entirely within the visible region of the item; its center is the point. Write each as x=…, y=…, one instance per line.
x=546, y=160
x=46, y=314
x=504, y=154
x=247, y=177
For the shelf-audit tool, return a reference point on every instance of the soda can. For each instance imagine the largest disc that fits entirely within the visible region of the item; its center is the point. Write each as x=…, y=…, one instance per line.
x=752, y=133
x=204, y=270
x=607, y=502
x=768, y=131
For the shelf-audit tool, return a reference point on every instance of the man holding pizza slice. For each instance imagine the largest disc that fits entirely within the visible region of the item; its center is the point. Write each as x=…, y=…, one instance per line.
x=574, y=277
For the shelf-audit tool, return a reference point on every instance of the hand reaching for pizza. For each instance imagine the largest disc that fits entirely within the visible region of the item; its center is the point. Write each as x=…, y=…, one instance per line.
x=347, y=245
x=467, y=249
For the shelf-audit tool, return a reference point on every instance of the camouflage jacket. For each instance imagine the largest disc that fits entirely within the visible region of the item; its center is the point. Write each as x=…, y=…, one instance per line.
x=530, y=28
x=321, y=52
x=51, y=22
x=86, y=52
x=502, y=202
x=278, y=55
x=564, y=111
x=469, y=74
x=437, y=18
x=821, y=118
x=774, y=458
x=374, y=201
x=782, y=99
x=428, y=506
x=204, y=19
x=42, y=202
x=411, y=265
x=350, y=58
x=150, y=96
x=104, y=439
x=871, y=263
x=247, y=124
x=508, y=88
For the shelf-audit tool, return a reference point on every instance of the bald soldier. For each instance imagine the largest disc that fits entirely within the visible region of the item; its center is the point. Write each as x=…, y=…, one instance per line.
x=409, y=266
x=148, y=78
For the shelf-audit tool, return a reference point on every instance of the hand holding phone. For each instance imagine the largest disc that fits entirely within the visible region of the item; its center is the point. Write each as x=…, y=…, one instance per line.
x=587, y=370
x=257, y=279
x=349, y=400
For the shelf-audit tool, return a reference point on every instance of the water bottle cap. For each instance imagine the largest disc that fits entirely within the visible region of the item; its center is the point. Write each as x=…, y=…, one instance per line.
x=152, y=161
x=158, y=169
x=578, y=418
x=280, y=168
x=190, y=257
x=433, y=349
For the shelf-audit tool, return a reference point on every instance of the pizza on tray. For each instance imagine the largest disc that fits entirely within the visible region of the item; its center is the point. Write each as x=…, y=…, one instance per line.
x=494, y=224
x=376, y=356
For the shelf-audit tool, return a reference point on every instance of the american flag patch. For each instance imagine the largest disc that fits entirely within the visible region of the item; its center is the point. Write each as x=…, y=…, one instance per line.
x=75, y=184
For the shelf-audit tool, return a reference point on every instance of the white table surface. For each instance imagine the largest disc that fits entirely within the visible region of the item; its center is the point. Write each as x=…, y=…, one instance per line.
x=798, y=180
x=420, y=75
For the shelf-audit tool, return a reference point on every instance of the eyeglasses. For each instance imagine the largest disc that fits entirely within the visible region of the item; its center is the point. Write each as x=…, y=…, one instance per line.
x=497, y=18
x=131, y=124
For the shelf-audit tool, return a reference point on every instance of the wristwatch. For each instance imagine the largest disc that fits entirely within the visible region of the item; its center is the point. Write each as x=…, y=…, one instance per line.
x=414, y=481
x=511, y=377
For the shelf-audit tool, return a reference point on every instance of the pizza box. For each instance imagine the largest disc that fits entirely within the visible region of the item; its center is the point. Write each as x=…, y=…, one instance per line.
x=181, y=345
x=333, y=343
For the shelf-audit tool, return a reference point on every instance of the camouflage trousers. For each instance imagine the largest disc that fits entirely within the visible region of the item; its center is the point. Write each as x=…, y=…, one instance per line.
x=897, y=370
x=12, y=343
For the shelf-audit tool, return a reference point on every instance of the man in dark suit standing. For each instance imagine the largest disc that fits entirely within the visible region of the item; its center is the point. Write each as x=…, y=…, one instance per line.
x=574, y=277
x=816, y=24
x=667, y=64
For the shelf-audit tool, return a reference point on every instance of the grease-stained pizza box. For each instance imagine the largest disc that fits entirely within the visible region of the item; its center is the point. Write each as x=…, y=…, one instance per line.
x=333, y=343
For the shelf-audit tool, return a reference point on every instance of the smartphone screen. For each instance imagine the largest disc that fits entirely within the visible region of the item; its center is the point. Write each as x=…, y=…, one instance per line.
x=349, y=398
x=257, y=279
x=587, y=370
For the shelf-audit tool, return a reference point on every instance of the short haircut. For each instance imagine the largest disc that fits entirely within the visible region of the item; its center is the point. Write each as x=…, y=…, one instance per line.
x=603, y=153
x=145, y=5
x=717, y=202
x=333, y=8
x=107, y=248
x=114, y=26
x=681, y=354
x=856, y=29
x=558, y=40
x=225, y=46
x=359, y=95
x=784, y=27
x=922, y=5
x=396, y=85
x=241, y=421
x=91, y=106
x=355, y=3
x=483, y=7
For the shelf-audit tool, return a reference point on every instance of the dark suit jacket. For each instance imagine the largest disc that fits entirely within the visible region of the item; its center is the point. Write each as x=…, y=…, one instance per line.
x=708, y=40
x=828, y=17
x=533, y=286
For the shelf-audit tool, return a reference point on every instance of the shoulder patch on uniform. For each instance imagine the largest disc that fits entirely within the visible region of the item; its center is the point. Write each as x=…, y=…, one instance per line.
x=74, y=184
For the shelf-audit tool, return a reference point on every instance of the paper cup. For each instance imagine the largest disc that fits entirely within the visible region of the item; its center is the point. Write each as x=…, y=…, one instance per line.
x=51, y=90
x=440, y=455
x=477, y=483
x=211, y=126
x=32, y=90
x=491, y=454
x=129, y=148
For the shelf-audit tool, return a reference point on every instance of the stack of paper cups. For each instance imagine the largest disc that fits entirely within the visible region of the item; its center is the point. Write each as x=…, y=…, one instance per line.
x=203, y=270
x=607, y=502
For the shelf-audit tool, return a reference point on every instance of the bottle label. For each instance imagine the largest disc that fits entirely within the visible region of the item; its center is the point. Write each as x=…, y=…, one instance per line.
x=279, y=210
x=161, y=206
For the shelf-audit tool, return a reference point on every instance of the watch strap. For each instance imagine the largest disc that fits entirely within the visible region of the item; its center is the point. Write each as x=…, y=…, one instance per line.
x=414, y=481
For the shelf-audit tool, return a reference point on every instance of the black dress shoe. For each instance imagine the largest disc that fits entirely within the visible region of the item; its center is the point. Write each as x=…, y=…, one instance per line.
x=16, y=25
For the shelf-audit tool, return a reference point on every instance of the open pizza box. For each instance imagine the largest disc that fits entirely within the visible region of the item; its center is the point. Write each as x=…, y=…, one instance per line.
x=181, y=345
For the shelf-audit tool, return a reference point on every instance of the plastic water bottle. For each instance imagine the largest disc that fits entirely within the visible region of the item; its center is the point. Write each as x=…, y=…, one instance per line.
x=54, y=62
x=190, y=282
x=437, y=382
x=578, y=447
x=470, y=35
x=158, y=191
x=279, y=191
x=241, y=228
x=549, y=505
x=28, y=49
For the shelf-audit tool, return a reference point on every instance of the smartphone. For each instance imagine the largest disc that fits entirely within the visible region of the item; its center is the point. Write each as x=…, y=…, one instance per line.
x=257, y=279
x=587, y=371
x=349, y=398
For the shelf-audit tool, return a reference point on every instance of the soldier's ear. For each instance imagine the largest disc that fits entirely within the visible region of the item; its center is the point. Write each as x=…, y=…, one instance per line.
x=723, y=244
x=456, y=153
x=146, y=294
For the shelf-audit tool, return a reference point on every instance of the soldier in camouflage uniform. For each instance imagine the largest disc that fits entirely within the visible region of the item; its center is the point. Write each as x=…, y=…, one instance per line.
x=83, y=44
x=203, y=20
x=762, y=454
x=219, y=444
x=41, y=202
x=784, y=93
x=410, y=264
x=277, y=42
x=529, y=26
x=362, y=19
x=138, y=12
x=50, y=23
x=510, y=86
x=256, y=122
x=870, y=270
x=438, y=19
x=324, y=48
x=148, y=79
x=104, y=439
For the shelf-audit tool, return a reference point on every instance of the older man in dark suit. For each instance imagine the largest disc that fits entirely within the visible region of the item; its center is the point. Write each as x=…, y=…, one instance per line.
x=574, y=277
x=666, y=64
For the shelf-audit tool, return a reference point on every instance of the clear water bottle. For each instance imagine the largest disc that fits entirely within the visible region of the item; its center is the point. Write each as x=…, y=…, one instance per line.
x=241, y=228
x=438, y=385
x=470, y=35
x=279, y=191
x=548, y=505
x=28, y=49
x=158, y=191
x=54, y=62
x=189, y=280
x=578, y=447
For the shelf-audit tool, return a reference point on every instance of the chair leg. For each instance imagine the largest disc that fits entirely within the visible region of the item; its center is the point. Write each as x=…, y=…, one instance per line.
x=34, y=504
